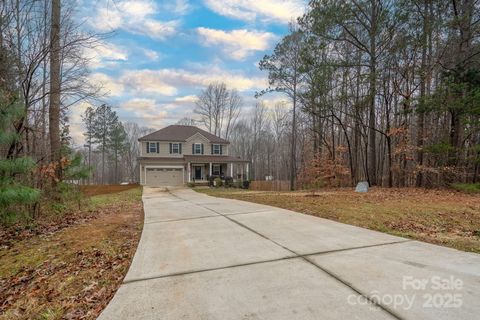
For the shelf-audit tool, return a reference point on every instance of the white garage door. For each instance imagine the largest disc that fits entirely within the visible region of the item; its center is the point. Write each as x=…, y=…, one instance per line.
x=160, y=177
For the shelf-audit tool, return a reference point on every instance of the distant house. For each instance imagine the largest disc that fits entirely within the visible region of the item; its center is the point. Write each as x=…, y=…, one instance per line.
x=177, y=154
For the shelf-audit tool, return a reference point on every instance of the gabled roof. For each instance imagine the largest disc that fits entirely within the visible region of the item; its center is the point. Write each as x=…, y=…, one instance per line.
x=180, y=133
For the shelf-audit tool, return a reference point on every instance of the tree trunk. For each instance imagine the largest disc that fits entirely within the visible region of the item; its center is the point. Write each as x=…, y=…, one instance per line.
x=389, y=151
x=372, y=152
x=54, y=108
x=423, y=85
x=294, y=138
x=455, y=127
x=103, y=161
x=116, y=165
x=314, y=127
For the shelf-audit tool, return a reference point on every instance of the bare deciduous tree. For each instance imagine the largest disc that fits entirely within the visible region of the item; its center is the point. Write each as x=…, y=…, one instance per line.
x=218, y=108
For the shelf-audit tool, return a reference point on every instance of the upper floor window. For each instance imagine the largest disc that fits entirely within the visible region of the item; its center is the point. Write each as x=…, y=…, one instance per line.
x=153, y=147
x=216, y=149
x=175, y=148
x=197, y=148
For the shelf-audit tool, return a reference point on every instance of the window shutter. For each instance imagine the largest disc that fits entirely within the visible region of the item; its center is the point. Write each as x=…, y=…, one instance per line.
x=193, y=148
x=211, y=152
x=221, y=149
x=202, y=147
x=148, y=147
x=170, y=147
x=180, y=148
x=158, y=147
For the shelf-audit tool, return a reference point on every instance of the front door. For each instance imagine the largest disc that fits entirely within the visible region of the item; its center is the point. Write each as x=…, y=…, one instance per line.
x=198, y=173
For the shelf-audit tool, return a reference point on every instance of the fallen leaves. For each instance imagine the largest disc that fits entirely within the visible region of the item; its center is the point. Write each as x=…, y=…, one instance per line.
x=73, y=270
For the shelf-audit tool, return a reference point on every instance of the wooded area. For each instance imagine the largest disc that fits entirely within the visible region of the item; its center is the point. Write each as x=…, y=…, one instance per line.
x=379, y=90
x=43, y=71
x=111, y=147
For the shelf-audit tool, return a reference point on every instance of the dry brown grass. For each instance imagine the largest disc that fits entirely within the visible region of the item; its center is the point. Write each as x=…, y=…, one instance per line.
x=95, y=190
x=72, y=273
x=444, y=217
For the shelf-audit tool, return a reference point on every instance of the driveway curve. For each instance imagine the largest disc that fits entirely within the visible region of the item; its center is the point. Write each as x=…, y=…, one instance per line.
x=202, y=257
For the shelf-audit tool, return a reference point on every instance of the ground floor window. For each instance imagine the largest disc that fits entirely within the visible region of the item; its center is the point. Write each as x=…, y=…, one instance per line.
x=216, y=170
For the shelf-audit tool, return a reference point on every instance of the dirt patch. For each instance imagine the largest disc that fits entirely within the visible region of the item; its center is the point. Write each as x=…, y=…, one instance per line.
x=93, y=190
x=72, y=273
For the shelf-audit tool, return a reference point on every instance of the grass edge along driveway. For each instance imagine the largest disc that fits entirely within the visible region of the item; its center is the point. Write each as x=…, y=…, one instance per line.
x=443, y=217
x=74, y=272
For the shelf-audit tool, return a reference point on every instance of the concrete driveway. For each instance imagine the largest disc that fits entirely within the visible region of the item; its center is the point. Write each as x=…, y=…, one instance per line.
x=202, y=257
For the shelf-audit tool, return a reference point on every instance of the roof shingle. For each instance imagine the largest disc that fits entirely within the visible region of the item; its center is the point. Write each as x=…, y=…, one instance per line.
x=180, y=133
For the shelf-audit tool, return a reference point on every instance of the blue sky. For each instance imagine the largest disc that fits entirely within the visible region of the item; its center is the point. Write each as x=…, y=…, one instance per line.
x=163, y=53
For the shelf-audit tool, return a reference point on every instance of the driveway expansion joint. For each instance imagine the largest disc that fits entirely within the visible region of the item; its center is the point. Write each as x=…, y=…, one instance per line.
x=182, y=219
x=256, y=278
x=355, y=248
x=177, y=274
x=326, y=271
x=239, y=213
x=294, y=256
x=356, y=290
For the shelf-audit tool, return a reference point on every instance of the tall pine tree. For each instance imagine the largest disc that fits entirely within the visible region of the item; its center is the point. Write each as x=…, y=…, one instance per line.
x=13, y=170
x=104, y=122
x=118, y=145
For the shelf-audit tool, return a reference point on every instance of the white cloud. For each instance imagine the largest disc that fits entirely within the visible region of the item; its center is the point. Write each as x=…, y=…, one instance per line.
x=150, y=86
x=277, y=99
x=282, y=11
x=76, y=124
x=178, y=7
x=170, y=106
x=155, y=29
x=134, y=17
x=138, y=9
x=152, y=55
x=139, y=104
x=201, y=78
x=108, y=84
x=107, y=19
x=147, y=81
x=148, y=110
x=105, y=54
x=167, y=82
x=186, y=99
x=237, y=44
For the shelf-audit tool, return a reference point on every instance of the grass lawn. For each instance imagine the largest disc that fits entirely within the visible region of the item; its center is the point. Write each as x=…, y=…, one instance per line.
x=467, y=187
x=72, y=271
x=443, y=217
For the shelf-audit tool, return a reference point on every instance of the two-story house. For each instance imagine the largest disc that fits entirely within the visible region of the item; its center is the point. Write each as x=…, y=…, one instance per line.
x=177, y=154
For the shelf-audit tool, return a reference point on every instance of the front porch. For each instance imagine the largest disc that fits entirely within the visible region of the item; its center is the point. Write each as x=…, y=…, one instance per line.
x=199, y=171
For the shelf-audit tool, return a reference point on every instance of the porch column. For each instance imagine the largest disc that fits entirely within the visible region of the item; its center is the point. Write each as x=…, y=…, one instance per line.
x=231, y=169
x=210, y=172
x=248, y=176
x=189, y=170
